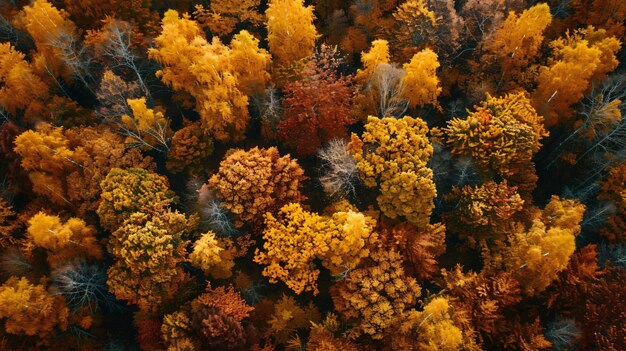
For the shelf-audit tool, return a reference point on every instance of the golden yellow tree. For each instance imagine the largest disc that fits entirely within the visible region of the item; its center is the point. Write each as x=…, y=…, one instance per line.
x=29, y=309
x=63, y=241
x=209, y=255
x=291, y=32
x=50, y=29
x=205, y=71
x=250, y=63
x=20, y=87
x=537, y=254
x=501, y=136
x=517, y=42
x=296, y=237
x=433, y=327
x=392, y=154
x=146, y=128
x=578, y=59
x=378, y=53
x=421, y=82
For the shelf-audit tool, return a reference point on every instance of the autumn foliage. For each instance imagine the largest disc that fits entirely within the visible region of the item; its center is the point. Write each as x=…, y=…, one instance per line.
x=248, y=175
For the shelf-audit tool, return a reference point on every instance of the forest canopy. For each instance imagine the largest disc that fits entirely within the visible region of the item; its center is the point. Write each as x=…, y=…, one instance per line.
x=321, y=175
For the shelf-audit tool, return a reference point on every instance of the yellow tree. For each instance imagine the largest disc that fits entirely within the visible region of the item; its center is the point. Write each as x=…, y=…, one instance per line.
x=577, y=61
x=63, y=241
x=29, y=309
x=209, y=255
x=434, y=327
x=421, y=82
x=392, y=154
x=20, y=87
x=206, y=72
x=295, y=238
x=146, y=128
x=48, y=27
x=536, y=255
x=250, y=63
x=501, y=136
x=378, y=53
x=517, y=42
x=291, y=32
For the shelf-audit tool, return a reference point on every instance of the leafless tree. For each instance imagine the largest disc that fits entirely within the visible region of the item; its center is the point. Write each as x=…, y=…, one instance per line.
x=386, y=87
x=75, y=56
x=339, y=172
x=118, y=48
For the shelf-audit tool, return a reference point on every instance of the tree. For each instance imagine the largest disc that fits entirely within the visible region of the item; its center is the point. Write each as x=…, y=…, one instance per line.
x=415, y=25
x=578, y=60
x=146, y=128
x=317, y=107
x=291, y=32
x=419, y=247
x=421, y=82
x=208, y=255
x=214, y=319
x=119, y=45
x=392, y=154
x=378, y=54
x=251, y=183
x=613, y=189
x=434, y=327
x=339, y=173
x=250, y=63
x=49, y=27
x=222, y=16
x=484, y=300
x=190, y=149
x=288, y=317
x=517, y=42
x=149, y=250
x=536, y=255
x=64, y=242
x=483, y=212
x=113, y=95
x=91, y=13
x=67, y=165
x=377, y=295
x=20, y=87
x=8, y=225
x=28, y=309
x=501, y=137
x=206, y=72
x=125, y=191
x=295, y=238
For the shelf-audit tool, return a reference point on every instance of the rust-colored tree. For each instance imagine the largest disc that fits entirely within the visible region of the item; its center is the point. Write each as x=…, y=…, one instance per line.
x=317, y=107
x=253, y=182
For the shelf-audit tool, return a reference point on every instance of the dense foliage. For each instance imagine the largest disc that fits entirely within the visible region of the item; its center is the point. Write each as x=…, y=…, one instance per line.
x=313, y=175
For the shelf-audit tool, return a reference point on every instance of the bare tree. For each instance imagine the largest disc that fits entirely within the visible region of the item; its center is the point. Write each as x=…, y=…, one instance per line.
x=339, y=172
x=386, y=87
x=603, y=123
x=75, y=56
x=118, y=48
